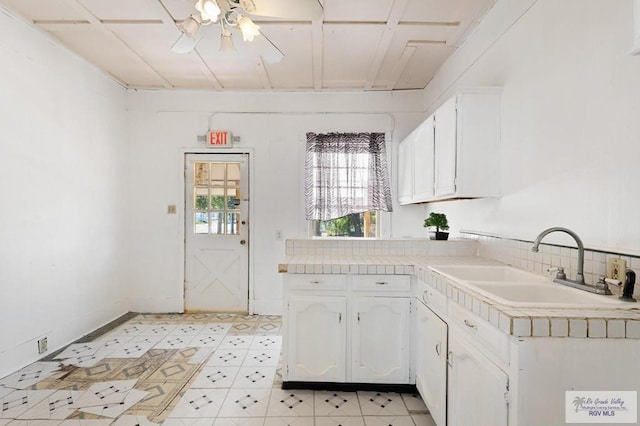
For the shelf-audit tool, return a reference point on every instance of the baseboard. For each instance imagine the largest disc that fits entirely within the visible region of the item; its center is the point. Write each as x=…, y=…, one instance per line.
x=267, y=307
x=351, y=387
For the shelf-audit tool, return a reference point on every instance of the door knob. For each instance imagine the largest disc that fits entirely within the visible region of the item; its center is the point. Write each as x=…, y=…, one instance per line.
x=243, y=242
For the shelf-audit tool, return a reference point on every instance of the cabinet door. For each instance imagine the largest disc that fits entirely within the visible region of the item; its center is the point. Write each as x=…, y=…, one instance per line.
x=477, y=388
x=445, y=148
x=316, y=334
x=423, y=161
x=380, y=340
x=405, y=170
x=431, y=362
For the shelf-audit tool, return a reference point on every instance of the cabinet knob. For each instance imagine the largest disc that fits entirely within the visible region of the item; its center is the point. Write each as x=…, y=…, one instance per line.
x=243, y=242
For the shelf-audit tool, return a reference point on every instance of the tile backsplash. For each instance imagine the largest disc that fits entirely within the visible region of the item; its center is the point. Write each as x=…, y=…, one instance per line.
x=518, y=253
x=510, y=251
x=392, y=247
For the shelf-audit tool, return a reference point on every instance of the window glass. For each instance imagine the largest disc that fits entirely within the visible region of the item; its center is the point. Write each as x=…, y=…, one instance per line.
x=357, y=225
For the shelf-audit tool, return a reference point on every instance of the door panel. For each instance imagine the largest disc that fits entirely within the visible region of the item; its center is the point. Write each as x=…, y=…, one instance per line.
x=477, y=388
x=380, y=340
x=216, y=240
x=316, y=339
x=431, y=362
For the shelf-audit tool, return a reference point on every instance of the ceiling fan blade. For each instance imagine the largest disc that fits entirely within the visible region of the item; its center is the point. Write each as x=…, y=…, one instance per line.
x=186, y=44
x=289, y=9
x=260, y=45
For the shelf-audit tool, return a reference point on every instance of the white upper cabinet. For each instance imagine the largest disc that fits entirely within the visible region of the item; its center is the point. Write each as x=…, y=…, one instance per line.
x=445, y=149
x=423, y=152
x=455, y=152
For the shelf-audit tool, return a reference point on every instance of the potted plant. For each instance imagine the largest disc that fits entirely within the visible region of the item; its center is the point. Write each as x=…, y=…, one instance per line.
x=439, y=221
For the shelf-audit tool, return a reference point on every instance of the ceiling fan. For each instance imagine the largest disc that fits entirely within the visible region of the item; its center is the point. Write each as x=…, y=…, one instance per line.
x=233, y=19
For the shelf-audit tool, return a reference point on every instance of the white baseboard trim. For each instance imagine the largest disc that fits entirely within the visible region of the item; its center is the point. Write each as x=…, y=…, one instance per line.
x=267, y=307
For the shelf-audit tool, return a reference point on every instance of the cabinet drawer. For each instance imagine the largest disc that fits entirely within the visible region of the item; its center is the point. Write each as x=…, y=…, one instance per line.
x=381, y=283
x=481, y=332
x=316, y=281
x=431, y=297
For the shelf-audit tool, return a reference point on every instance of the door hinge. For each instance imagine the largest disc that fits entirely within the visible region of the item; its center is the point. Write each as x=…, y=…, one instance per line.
x=507, y=394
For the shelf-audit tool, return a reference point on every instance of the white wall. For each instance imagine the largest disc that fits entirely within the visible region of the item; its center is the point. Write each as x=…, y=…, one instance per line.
x=570, y=127
x=62, y=169
x=272, y=126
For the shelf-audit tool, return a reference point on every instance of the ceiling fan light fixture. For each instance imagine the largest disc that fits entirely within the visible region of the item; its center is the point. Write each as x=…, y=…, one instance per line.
x=209, y=10
x=189, y=26
x=226, y=43
x=248, y=27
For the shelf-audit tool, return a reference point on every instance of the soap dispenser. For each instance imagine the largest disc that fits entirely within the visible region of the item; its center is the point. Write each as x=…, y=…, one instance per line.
x=627, y=291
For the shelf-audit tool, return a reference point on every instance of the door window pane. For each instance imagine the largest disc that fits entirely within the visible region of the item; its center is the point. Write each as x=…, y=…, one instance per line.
x=217, y=198
x=233, y=223
x=200, y=198
x=217, y=223
x=233, y=174
x=233, y=199
x=217, y=174
x=201, y=223
x=200, y=173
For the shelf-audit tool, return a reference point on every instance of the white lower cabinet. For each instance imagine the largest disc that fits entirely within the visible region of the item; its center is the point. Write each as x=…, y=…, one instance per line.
x=460, y=384
x=431, y=362
x=380, y=340
x=317, y=335
x=477, y=389
x=347, y=329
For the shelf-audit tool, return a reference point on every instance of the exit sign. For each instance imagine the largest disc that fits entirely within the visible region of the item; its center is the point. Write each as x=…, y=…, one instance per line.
x=219, y=139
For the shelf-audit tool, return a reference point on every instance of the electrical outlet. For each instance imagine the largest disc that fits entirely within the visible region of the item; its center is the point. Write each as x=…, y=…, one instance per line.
x=616, y=269
x=42, y=345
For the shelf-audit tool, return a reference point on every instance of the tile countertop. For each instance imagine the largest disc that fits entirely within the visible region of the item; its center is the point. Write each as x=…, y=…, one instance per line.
x=622, y=321
x=354, y=264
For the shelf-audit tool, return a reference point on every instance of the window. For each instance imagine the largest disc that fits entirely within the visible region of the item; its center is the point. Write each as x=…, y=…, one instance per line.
x=352, y=225
x=346, y=183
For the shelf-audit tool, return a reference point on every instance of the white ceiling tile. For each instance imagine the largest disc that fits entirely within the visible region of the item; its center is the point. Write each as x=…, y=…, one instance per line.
x=439, y=10
x=349, y=52
x=422, y=67
x=357, y=10
x=295, y=70
x=124, y=9
x=112, y=56
x=50, y=10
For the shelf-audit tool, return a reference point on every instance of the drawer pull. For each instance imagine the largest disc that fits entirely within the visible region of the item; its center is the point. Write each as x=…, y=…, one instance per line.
x=315, y=282
x=438, y=348
x=382, y=282
x=470, y=324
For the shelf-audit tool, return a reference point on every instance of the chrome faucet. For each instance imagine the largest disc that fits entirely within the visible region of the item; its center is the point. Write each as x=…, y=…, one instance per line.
x=599, y=288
